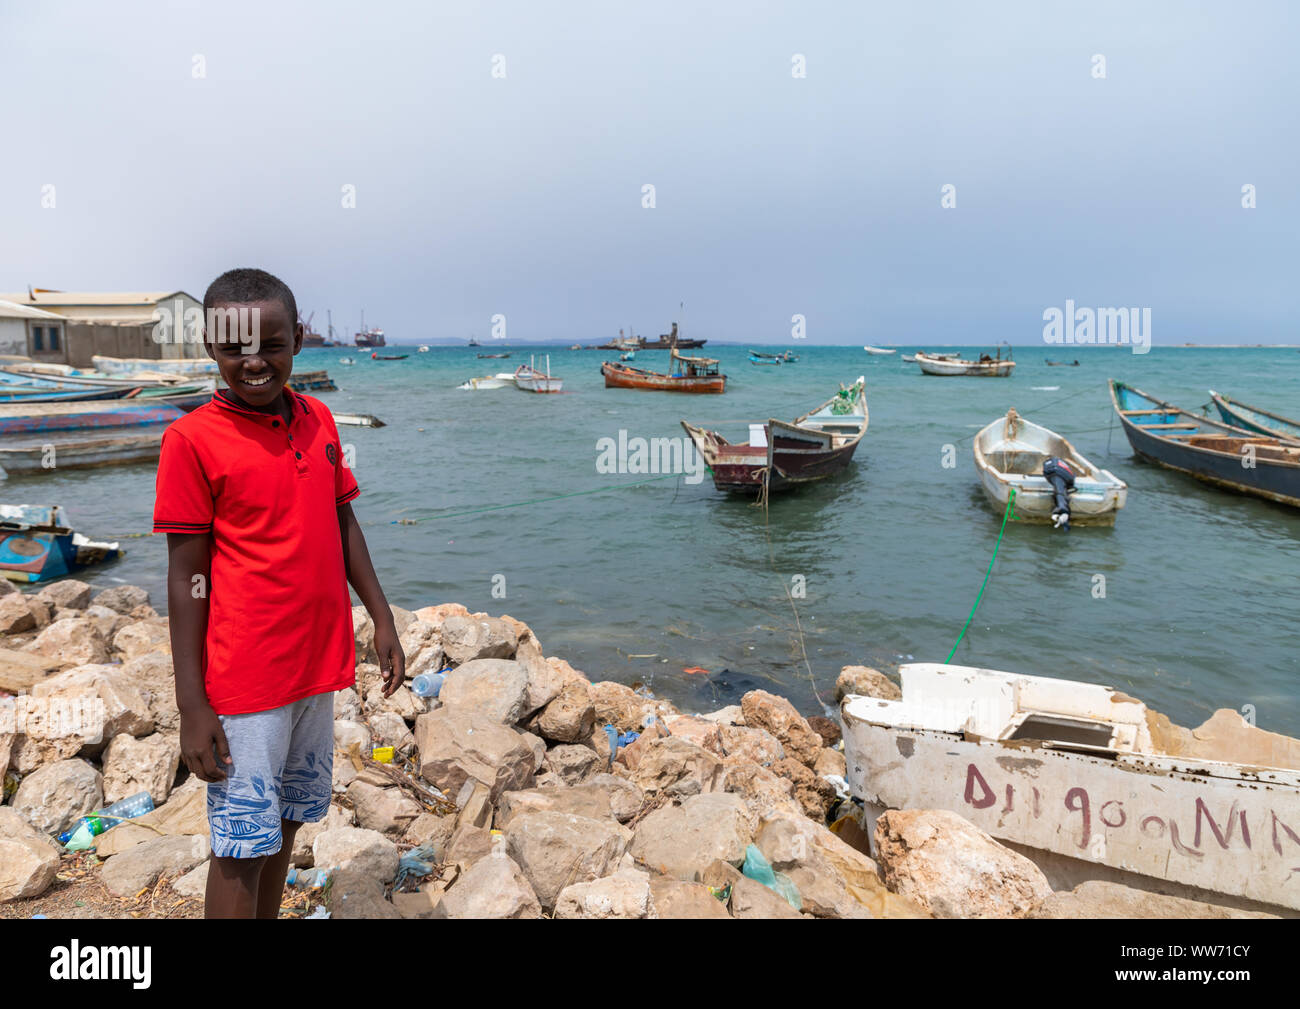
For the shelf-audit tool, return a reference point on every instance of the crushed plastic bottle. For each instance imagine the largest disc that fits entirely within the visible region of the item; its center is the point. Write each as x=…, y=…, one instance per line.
x=82, y=833
x=429, y=684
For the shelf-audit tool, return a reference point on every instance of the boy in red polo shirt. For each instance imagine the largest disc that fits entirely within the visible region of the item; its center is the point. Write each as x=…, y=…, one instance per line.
x=253, y=495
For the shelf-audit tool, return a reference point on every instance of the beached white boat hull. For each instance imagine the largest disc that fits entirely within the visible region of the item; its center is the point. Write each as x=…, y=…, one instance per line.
x=1106, y=795
x=1009, y=453
x=958, y=366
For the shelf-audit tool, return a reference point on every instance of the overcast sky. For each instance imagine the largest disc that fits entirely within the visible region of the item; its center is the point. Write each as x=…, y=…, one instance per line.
x=774, y=195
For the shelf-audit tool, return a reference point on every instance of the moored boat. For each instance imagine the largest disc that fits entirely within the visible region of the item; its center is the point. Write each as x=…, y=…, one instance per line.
x=358, y=419
x=1085, y=780
x=1052, y=481
x=34, y=418
x=388, y=357
x=36, y=543
x=909, y=358
x=79, y=449
x=1216, y=453
x=689, y=374
x=784, y=454
x=530, y=379
x=312, y=381
x=879, y=350
x=948, y=365
x=498, y=381
x=1253, y=418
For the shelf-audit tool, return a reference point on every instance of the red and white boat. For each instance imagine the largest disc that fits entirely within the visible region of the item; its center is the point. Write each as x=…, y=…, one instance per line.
x=528, y=378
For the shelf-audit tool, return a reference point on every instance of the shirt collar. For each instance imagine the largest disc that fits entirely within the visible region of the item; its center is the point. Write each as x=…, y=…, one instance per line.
x=222, y=399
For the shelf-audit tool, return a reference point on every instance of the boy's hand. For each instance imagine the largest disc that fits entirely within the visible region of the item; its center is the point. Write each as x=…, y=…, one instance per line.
x=392, y=660
x=200, y=732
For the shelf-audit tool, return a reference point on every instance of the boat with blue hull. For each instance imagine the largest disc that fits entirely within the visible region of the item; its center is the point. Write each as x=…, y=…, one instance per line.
x=1230, y=457
x=37, y=544
x=41, y=418
x=1253, y=418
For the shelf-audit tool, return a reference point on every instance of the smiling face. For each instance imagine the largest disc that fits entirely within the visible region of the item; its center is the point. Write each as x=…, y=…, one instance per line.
x=255, y=360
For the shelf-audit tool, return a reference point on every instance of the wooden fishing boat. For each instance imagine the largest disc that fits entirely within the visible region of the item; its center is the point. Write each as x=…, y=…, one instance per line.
x=311, y=381
x=388, y=357
x=1227, y=456
x=530, y=379
x=186, y=367
x=59, y=394
x=879, y=350
x=492, y=357
x=358, y=420
x=943, y=364
x=498, y=381
x=36, y=544
x=37, y=418
x=689, y=374
x=1079, y=778
x=1252, y=418
x=783, y=454
x=1010, y=454
x=764, y=359
x=38, y=376
x=79, y=449
x=1062, y=364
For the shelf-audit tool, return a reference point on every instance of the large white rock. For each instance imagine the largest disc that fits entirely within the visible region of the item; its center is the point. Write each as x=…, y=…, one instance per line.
x=368, y=851
x=133, y=870
x=952, y=869
x=122, y=598
x=142, y=637
x=71, y=639
x=681, y=841
x=497, y=688
x=626, y=894
x=28, y=861
x=557, y=849
x=465, y=639
x=55, y=796
x=493, y=887
x=105, y=695
x=67, y=593
x=456, y=745
x=135, y=765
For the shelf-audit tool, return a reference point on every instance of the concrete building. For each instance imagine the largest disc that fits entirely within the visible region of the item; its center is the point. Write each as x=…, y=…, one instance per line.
x=71, y=327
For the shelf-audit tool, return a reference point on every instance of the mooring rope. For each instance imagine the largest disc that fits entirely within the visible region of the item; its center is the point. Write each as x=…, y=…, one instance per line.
x=1011, y=497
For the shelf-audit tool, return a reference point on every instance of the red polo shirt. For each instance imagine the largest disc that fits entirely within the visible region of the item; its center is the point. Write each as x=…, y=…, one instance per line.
x=267, y=493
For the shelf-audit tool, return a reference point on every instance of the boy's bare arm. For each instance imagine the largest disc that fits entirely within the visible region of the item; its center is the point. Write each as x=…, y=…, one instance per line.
x=362, y=577
x=188, y=576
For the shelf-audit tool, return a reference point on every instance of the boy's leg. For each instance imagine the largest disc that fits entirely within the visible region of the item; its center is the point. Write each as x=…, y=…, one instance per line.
x=306, y=787
x=232, y=887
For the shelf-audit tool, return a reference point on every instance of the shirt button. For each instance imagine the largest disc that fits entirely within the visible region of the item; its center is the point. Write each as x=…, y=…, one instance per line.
x=297, y=455
x=275, y=423
x=291, y=437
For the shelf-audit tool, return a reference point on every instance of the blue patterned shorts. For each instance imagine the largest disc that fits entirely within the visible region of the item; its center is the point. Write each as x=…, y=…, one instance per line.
x=282, y=769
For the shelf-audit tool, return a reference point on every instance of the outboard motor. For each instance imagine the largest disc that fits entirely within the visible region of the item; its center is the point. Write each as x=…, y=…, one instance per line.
x=1061, y=477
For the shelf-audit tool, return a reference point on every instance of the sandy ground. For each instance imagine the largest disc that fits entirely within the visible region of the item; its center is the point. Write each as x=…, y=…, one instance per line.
x=78, y=893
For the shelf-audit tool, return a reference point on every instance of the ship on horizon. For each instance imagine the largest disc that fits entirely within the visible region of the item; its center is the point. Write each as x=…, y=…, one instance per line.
x=666, y=341
x=369, y=337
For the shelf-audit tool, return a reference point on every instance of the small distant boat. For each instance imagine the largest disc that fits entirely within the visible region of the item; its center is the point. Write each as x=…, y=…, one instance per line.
x=498, y=381
x=492, y=357
x=783, y=454
x=944, y=364
x=389, y=357
x=879, y=350
x=1221, y=454
x=627, y=355
x=529, y=379
x=473, y=343
x=424, y=348
x=764, y=359
x=909, y=358
x=358, y=420
x=1048, y=474
x=689, y=374
x=346, y=360
x=576, y=346
x=1062, y=364
x=1252, y=418
x=37, y=544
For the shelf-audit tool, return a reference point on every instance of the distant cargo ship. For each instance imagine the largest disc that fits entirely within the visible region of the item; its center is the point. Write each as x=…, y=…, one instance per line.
x=666, y=341
x=369, y=337
x=310, y=338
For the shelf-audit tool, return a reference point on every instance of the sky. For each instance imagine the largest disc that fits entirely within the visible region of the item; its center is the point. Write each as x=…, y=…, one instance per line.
x=498, y=154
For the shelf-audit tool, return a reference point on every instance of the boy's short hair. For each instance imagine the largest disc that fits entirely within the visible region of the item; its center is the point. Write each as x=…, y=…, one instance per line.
x=249, y=284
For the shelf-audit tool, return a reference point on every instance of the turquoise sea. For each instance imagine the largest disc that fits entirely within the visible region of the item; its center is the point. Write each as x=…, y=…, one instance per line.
x=638, y=583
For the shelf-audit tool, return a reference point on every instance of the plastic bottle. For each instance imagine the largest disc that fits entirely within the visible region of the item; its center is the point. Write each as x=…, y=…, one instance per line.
x=99, y=821
x=428, y=684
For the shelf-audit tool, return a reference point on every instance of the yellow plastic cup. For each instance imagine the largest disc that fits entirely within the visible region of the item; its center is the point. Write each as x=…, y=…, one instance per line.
x=382, y=754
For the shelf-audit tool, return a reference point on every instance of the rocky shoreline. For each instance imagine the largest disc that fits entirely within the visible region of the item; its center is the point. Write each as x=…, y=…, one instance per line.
x=502, y=799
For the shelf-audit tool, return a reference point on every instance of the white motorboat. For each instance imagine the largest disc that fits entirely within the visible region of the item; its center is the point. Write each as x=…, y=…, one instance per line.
x=879, y=350
x=1010, y=455
x=497, y=381
x=529, y=379
x=945, y=364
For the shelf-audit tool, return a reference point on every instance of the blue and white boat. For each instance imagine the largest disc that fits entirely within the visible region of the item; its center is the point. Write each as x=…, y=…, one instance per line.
x=37, y=544
x=1252, y=418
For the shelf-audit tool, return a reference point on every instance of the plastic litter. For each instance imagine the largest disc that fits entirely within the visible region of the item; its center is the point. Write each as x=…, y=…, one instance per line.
x=428, y=684
x=83, y=832
x=758, y=869
x=618, y=739
x=307, y=879
x=382, y=754
x=320, y=912
x=415, y=863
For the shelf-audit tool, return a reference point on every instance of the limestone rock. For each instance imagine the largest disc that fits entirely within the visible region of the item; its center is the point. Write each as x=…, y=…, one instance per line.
x=40, y=610
x=730, y=715
x=571, y=763
x=828, y=730
x=143, y=637
x=455, y=745
x=147, y=764
x=830, y=762
x=1099, y=899
x=764, y=791
x=678, y=767
x=465, y=639
x=55, y=796
x=347, y=705
x=496, y=688
x=122, y=598
x=569, y=717
x=675, y=898
x=680, y=841
x=555, y=850
x=356, y=895
x=72, y=639
x=347, y=734
x=88, y=690
x=469, y=843
x=422, y=645
x=127, y=874
x=626, y=894
x=624, y=708
x=752, y=745
x=28, y=861
x=387, y=728
x=751, y=899
x=778, y=716
x=367, y=851
x=403, y=703
x=953, y=869
x=492, y=888
x=700, y=731
x=152, y=674
x=386, y=810
x=435, y=615
x=194, y=884
x=301, y=854
x=363, y=633
x=815, y=794
x=15, y=615
x=67, y=593
x=866, y=681
x=107, y=622
x=606, y=796
x=430, y=828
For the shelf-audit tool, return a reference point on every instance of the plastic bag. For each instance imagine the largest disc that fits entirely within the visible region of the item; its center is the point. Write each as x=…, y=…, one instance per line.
x=758, y=868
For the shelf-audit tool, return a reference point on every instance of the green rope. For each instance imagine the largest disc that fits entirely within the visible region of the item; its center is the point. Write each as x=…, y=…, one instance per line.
x=1005, y=515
